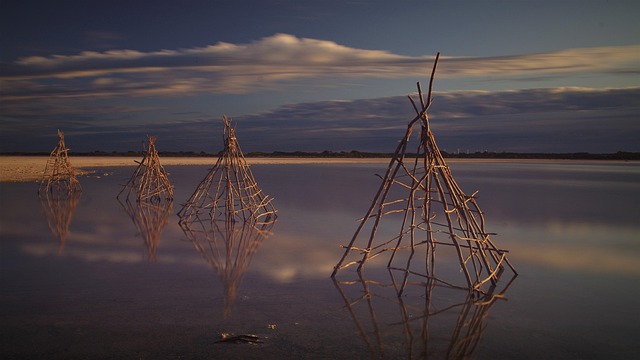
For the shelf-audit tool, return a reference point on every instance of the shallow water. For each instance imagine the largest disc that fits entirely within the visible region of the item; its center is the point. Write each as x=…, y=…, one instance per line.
x=101, y=288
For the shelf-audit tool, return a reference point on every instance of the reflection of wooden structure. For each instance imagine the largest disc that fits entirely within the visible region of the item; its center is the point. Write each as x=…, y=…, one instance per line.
x=430, y=320
x=229, y=188
x=420, y=196
x=149, y=219
x=149, y=181
x=59, y=177
x=59, y=210
x=228, y=246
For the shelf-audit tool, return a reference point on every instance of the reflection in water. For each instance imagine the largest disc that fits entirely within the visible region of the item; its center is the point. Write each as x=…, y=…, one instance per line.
x=86, y=300
x=429, y=320
x=149, y=218
x=58, y=209
x=228, y=246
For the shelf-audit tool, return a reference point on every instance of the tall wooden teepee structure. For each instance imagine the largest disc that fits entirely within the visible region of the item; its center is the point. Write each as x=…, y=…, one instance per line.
x=59, y=177
x=150, y=181
x=229, y=190
x=419, y=196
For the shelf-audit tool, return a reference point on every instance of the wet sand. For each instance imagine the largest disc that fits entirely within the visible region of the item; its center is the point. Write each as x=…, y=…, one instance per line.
x=30, y=168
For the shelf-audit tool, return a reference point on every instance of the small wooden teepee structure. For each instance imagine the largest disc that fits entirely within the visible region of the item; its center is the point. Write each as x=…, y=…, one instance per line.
x=150, y=181
x=420, y=196
x=229, y=190
x=59, y=177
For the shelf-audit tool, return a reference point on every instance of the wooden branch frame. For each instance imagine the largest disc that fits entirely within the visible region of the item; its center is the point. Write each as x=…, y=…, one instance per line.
x=421, y=196
x=59, y=177
x=229, y=190
x=150, y=181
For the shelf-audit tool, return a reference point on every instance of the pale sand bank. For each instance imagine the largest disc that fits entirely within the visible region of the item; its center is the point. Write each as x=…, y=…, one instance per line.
x=30, y=168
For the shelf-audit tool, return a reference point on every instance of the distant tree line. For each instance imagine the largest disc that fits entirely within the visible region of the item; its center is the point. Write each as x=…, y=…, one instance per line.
x=620, y=155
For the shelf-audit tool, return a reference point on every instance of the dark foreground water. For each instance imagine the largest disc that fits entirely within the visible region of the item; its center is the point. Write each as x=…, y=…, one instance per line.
x=86, y=280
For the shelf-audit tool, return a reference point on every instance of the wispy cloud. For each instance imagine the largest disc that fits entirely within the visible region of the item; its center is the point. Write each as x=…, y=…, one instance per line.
x=555, y=119
x=582, y=60
x=226, y=68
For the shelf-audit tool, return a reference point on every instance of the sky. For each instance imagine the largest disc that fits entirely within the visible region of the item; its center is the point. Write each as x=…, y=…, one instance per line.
x=297, y=75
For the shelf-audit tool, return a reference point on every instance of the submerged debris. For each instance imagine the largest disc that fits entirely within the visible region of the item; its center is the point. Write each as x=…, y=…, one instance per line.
x=239, y=339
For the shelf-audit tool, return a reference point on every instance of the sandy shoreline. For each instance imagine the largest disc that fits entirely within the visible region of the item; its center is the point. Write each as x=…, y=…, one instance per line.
x=30, y=168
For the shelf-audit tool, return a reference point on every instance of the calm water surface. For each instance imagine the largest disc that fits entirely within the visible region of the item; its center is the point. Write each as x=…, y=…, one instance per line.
x=83, y=279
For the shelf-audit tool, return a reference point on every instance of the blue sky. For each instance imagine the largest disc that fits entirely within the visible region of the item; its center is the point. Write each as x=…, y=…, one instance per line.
x=528, y=76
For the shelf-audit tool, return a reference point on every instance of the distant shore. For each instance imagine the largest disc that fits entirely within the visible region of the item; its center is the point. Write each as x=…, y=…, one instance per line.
x=354, y=154
x=30, y=168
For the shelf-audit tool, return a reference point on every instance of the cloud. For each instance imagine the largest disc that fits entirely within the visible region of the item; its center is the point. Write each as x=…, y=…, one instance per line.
x=582, y=60
x=549, y=120
x=226, y=68
x=555, y=119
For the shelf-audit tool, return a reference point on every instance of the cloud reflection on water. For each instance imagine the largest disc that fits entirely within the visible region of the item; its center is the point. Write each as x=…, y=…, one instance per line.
x=582, y=229
x=578, y=247
x=292, y=257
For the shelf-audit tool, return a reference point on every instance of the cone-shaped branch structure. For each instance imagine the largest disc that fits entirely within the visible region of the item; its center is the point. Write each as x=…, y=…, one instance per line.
x=420, y=196
x=229, y=189
x=150, y=181
x=59, y=177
